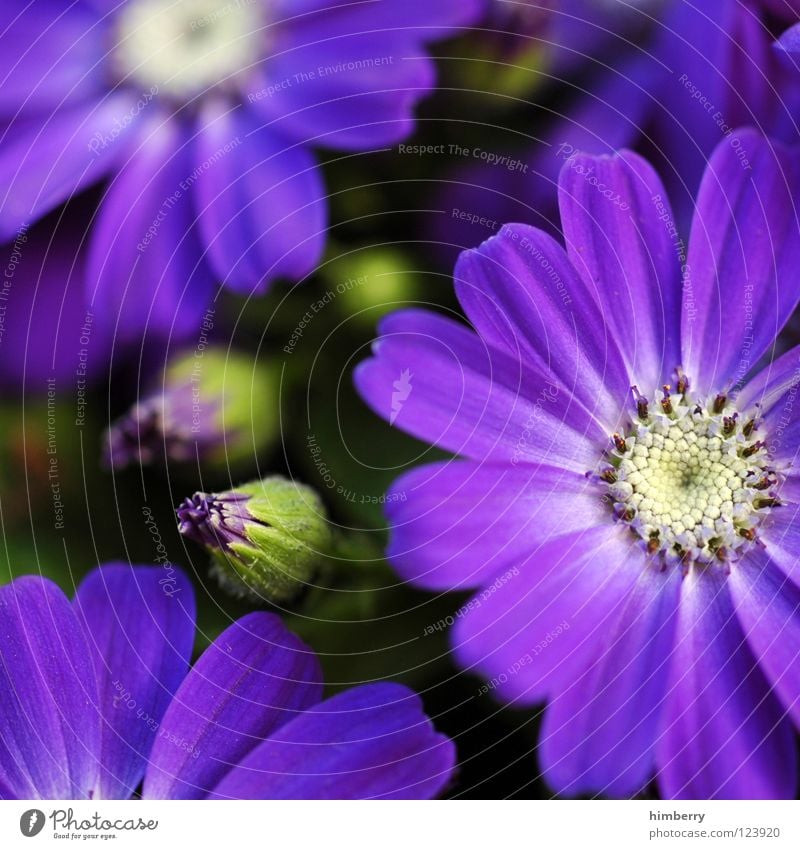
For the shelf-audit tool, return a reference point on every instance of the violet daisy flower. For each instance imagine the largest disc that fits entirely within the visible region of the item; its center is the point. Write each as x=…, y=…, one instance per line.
x=626, y=504
x=96, y=696
x=202, y=113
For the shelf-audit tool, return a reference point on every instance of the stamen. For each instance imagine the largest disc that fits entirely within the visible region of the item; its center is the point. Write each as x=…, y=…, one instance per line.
x=729, y=424
x=666, y=401
x=641, y=404
x=683, y=381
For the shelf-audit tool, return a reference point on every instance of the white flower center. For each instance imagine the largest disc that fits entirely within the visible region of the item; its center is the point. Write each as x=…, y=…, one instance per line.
x=691, y=478
x=184, y=47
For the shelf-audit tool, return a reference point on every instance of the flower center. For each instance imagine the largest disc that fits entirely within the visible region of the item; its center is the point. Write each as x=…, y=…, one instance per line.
x=184, y=47
x=690, y=477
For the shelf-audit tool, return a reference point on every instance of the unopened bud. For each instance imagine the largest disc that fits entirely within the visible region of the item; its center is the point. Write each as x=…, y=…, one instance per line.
x=217, y=406
x=266, y=538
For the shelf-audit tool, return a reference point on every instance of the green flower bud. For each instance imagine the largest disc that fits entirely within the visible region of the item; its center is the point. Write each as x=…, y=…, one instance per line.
x=266, y=538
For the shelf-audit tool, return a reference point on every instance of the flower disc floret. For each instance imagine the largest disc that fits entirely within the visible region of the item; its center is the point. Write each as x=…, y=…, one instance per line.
x=691, y=478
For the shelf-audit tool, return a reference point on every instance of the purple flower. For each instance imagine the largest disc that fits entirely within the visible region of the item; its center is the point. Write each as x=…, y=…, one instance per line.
x=96, y=696
x=201, y=114
x=625, y=502
x=695, y=73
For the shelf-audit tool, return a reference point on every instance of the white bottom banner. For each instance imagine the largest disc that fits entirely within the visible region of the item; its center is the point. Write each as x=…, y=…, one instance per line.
x=398, y=825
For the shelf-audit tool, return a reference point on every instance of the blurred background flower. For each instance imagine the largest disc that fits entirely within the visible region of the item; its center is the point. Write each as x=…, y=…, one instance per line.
x=201, y=115
x=668, y=78
x=212, y=406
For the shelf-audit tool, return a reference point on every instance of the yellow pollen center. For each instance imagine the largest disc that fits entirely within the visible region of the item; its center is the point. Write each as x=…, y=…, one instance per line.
x=691, y=479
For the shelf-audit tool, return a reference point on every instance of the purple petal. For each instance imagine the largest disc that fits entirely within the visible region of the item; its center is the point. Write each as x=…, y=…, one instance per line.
x=45, y=160
x=530, y=629
x=768, y=606
x=49, y=734
x=724, y=734
x=51, y=53
x=780, y=531
x=254, y=678
x=717, y=71
x=456, y=524
x=524, y=297
x=769, y=387
x=146, y=264
x=436, y=380
x=346, y=88
x=263, y=212
x=429, y=20
x=369, y=742
x=599, y=734
x=140, y=624
x=49, y=330
x=349, y=75
x=744, y=251
x=789, y=42
x=770, y=395
x=620, y=235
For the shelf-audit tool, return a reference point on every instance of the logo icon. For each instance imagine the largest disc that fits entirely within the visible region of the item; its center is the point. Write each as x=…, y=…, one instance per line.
x=31, y=822
x=402, y=389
